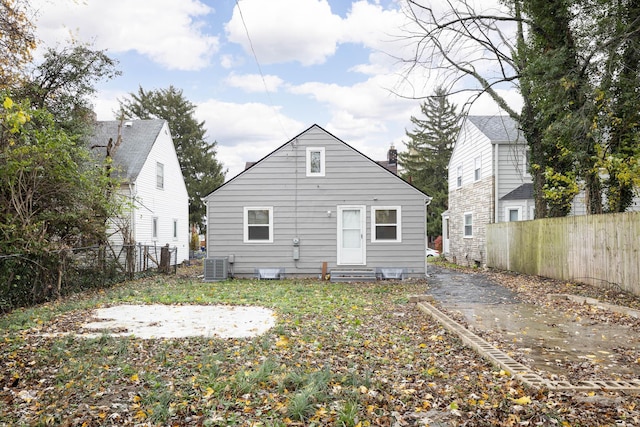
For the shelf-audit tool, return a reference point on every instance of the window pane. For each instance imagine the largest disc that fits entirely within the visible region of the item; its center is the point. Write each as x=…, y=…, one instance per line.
x=468, y=225
x=386, y=216
x=351, y=239
x=386, y=232
x=315, y=162
x=159, y=175
x=258, y=216
x=351, y=219
x=513, y=215
x=258, y=232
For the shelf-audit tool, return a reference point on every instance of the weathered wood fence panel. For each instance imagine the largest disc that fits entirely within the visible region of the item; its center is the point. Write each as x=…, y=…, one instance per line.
x=602, y=250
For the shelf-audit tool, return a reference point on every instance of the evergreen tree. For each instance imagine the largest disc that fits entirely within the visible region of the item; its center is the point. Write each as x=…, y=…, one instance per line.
x=426, y=159
x=201, y=170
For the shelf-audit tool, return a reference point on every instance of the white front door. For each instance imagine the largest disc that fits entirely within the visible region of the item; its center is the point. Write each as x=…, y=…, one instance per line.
x=351, y=235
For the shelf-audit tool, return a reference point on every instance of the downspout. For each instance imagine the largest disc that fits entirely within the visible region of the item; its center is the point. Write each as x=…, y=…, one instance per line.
x=132, y=198
x=427, y=201
x=496, y=180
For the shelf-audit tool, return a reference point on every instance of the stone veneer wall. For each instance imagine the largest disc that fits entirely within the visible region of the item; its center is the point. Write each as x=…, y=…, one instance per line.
x=476, y=198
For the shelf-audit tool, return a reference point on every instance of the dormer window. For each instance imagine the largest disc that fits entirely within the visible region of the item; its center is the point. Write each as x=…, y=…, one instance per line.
x=315, y=161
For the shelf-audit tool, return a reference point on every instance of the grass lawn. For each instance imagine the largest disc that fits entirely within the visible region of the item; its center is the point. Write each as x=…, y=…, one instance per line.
x=339, y=355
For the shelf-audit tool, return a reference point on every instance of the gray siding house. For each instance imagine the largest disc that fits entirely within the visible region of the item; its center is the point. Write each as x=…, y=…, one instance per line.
x=315, y=200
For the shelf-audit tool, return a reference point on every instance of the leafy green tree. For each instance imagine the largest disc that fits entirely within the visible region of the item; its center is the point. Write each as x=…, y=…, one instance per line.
x=64, y=82
x=17, y=41
x=555, y=100
x=428, y=150
x=576, y=64
x=51, y=194
x=617, y=123
x=201, y=170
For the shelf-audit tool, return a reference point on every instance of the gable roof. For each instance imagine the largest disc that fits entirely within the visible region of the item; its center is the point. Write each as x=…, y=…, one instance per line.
x=138, y=137
x=498, y=128
x=383, y=165
x=523, y=192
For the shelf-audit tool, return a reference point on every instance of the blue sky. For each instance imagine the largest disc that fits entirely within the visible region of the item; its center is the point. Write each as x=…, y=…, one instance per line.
x=328, y=62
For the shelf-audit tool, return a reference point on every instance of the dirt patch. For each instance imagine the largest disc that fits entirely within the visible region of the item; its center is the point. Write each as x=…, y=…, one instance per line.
x=177, y=321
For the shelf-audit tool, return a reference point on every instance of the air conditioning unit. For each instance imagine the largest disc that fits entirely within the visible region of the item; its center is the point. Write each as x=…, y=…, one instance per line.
x=216, y=269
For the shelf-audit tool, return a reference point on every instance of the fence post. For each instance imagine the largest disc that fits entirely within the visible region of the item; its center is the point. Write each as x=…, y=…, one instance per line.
x=165, y=259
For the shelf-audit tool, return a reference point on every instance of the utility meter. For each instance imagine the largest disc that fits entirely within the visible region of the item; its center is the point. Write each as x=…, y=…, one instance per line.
x=296, y=248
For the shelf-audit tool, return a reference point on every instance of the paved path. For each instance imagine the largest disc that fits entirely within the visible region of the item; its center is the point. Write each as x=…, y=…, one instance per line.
x=550, y=339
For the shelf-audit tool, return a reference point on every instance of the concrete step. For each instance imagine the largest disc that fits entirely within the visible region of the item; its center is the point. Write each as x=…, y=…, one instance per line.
x=353, y=275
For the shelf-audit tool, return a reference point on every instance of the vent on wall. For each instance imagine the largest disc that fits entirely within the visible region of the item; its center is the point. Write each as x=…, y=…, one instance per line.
x=216, y=269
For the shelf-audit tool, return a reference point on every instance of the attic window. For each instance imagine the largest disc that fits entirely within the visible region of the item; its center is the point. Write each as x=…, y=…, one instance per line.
x=159, y=175
x=315, y=161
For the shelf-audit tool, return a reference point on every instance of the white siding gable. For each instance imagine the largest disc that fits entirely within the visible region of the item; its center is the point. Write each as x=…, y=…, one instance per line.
x=168, y=204
x=471, y=144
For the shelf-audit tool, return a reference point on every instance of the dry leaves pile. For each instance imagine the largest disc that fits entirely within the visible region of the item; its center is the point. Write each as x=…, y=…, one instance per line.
x=340, y=355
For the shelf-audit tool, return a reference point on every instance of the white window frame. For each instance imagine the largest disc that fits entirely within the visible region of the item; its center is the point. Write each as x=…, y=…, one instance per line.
x=245, y=224
x=159, y=176
x=175, y=229
x=311, y=150
x=477, y=168
x=459, y=176
x=507, y=211
x=398, y=224
x=154, y=227
x=464, y=225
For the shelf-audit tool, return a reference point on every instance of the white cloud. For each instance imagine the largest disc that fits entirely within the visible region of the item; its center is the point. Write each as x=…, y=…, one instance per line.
x=169, y=32
x=254, y=82
x=286, y=30
x=245, y=132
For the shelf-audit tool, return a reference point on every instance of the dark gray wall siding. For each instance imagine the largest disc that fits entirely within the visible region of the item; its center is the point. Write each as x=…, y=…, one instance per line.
x=300, y=206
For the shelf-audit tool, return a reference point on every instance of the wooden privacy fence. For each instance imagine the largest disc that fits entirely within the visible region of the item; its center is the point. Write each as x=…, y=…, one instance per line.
x=602, y=250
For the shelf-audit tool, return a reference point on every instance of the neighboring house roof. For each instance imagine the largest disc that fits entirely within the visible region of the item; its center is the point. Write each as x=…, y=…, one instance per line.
x=138, y=137
x=523, y=192
x=498, y=128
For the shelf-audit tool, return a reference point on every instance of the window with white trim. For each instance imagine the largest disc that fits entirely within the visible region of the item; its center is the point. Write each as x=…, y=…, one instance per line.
x=386, y=224
x=513, y=214
x=315, y=161
x=154, y=228
x=468, y=224
x=459, y=176
x=175, y=229
x=477, y=167
x=159, y=175
x=258, y=224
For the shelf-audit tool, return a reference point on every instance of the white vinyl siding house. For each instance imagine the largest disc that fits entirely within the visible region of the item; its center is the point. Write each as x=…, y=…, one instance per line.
x=317, y=200
x=487, y=183
x=151, y=183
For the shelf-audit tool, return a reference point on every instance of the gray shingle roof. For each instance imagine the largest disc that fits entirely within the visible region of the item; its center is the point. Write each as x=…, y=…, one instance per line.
x=498, y=128
x=523, y=192
x=138, y=137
